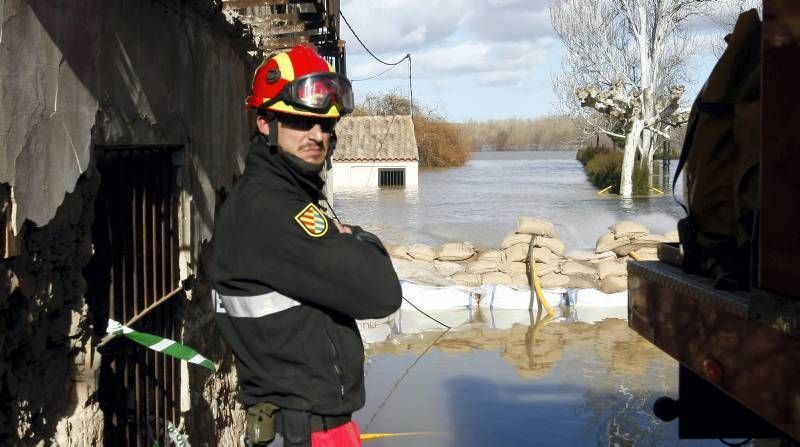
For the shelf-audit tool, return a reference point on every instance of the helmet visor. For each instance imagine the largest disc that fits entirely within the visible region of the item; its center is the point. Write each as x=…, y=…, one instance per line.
x=319, y=91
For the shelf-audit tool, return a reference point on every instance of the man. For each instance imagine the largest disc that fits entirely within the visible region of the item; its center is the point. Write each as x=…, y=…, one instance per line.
x=288, y=281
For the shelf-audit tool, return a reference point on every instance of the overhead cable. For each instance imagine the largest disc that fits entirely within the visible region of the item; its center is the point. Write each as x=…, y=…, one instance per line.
x=407, y=56
x=375, y=76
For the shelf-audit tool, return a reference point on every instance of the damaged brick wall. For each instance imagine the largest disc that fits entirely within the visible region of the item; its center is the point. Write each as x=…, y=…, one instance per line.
x=46, y=374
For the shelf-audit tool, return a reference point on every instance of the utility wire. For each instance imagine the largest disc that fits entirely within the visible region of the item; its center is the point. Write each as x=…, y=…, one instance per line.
x=407, y=56
x=423, y=313
x=365, y=47
x=405, y=373
x=377, y=75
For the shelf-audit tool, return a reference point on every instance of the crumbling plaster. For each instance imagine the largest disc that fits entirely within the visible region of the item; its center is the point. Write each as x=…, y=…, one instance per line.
x=96, y=72
x=73, y=76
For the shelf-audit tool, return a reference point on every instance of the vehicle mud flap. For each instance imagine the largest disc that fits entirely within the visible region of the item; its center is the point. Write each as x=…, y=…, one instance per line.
x=295, y=428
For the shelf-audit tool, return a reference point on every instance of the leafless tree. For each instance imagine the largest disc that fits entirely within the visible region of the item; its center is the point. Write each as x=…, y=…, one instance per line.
x=626, y=59
x=724, y=14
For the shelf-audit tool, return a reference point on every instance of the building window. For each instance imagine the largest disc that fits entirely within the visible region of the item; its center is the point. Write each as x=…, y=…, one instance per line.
x=391, y=177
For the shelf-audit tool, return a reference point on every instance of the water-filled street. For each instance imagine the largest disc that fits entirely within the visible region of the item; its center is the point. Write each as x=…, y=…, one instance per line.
x=505, y=377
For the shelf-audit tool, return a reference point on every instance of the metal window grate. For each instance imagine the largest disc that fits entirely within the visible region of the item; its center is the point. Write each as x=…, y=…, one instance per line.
x=391, y=177
x=136, y=246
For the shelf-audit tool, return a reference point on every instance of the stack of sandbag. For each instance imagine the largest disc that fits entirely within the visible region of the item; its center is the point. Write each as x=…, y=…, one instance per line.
x=548, y=250
x=495, y=267
x=624, y=237
x=613, y=275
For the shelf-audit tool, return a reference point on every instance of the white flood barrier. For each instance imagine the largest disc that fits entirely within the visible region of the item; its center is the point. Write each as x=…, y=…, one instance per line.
x=496, y=296
x=436, y=297
x=411, y=321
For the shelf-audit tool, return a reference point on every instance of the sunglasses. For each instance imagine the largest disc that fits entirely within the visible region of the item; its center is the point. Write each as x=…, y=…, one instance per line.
x=306, y=123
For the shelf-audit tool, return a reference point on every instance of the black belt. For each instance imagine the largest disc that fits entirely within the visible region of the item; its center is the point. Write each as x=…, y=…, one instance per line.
x=325, y=423
x=320, y=422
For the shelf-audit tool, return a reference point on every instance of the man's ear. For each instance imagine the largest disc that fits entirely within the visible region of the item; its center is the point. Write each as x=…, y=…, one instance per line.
x=262, y=124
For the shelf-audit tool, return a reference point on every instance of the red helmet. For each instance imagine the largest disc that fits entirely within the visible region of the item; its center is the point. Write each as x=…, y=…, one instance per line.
x=300, y=82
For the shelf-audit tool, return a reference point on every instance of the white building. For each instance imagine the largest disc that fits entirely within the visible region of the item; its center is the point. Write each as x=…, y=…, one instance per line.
x=375, y=151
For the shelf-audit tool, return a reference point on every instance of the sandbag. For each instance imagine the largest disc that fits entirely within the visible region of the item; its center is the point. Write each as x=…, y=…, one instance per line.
x=575, y=268
x=448, y=268
x=517, y=253
x=455, y=251
x=627, y=228
x=607, y=242
x=581, y=282
x=467, y=279
x=519, y=280
x=419, y=272
x=543, y=269
x=513, y=267
x=496, y=278
x=625, y=249
x=481, y=267
x=650, y=237
x=554, y=244
x=591, y=256
x=496, y=256
x=542, y=254
x=672, y=236
x=553, y=280
x=647, y=254
x=514, y=239
x=398, y=251
x=532, y=225
x=614, y=284
x=422, y=252
x=611, y=268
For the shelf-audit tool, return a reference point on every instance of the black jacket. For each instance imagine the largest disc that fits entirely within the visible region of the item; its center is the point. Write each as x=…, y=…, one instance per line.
x=288, y=286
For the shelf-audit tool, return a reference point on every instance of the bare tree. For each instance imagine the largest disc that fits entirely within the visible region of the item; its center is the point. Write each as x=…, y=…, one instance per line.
x=724, y=14
x=626, y=59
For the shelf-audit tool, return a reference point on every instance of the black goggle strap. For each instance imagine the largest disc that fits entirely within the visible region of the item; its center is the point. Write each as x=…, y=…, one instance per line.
x=272, y=138
x=331, y=148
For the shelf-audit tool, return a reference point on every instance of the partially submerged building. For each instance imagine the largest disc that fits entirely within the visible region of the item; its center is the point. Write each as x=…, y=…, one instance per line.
x=375, y=151
x=123, y=128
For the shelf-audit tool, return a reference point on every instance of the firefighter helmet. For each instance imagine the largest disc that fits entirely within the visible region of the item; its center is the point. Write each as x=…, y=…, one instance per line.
x=300, y=82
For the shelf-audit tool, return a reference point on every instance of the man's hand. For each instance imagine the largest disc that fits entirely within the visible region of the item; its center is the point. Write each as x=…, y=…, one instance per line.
x=344, y=229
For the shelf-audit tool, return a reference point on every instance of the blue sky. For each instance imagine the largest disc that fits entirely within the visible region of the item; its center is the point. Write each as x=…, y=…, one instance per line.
x=472, y=59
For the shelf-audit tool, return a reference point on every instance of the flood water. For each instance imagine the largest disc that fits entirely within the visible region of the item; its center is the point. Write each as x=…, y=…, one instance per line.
x=509, y=377
x=480, y=202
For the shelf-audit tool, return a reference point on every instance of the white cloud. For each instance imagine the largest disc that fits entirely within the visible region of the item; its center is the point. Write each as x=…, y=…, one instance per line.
x=506, y=78
x=514, y=21
x=400, y=25
x=464, y=59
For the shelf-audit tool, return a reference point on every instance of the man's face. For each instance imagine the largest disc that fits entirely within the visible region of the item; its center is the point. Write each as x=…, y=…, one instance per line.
x=307, y=138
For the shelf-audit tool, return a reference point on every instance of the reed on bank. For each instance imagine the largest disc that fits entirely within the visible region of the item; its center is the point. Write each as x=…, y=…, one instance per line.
x=603, y=168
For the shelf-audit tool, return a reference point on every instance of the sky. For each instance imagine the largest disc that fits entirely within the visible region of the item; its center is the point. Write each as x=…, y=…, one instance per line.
x=472, y=59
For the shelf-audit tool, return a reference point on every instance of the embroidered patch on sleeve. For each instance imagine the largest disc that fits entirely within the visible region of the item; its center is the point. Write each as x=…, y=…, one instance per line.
x=312, y=221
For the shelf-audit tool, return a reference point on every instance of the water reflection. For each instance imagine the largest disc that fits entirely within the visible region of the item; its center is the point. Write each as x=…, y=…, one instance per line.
x=511, y=377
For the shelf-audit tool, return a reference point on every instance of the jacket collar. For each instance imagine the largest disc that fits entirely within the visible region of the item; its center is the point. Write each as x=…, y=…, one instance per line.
x=266, y=160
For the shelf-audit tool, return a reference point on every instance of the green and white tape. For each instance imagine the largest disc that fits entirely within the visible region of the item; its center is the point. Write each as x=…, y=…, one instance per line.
x=160, y=344
x=176, y=437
